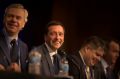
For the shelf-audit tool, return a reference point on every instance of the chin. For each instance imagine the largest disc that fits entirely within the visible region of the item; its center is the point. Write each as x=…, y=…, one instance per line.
x=92, y=64
x=56, y=47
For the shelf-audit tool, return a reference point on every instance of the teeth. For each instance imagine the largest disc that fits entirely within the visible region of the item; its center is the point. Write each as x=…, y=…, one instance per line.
x=57, y=42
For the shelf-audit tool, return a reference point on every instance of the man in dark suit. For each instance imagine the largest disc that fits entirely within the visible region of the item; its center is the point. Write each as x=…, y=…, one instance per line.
x=13, y=55
x=81, y=63
x=108, y=61
x=54, y=38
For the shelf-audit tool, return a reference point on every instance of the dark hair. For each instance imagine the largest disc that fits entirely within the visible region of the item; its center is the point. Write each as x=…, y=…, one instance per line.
x=108, y=41
x=94, y=42
x=51, y=23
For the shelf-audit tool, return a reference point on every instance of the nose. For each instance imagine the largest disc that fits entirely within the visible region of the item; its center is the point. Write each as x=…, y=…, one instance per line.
x=13, y=19
x=57, y=36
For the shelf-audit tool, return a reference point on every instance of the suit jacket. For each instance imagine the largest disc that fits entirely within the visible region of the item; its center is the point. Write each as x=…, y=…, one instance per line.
x=5, y=59
x=47, y=68
x=99, y=69
x=77, y=67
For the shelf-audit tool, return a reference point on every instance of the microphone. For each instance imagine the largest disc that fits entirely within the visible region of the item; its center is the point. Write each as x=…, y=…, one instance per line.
x=62, y=53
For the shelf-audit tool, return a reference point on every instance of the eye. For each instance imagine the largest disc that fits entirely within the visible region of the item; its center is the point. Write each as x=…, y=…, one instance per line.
x=18, y=17
x=61, y=34
x=52, y=33
x=9, y=16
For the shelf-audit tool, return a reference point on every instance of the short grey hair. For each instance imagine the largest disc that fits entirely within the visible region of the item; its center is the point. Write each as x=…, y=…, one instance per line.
x=19, y=6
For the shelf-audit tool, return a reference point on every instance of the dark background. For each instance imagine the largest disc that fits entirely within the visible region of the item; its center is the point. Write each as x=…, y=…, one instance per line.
x=82, y=18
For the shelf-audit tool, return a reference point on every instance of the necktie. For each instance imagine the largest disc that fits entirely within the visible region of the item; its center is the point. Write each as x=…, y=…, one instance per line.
x=109, y=73
x=14, y=51
x=56, y=63
x=89, y=73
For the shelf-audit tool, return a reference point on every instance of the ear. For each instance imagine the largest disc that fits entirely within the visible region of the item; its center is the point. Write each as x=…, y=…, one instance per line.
x=87, y=48
x=26, y=20
x=24, y=23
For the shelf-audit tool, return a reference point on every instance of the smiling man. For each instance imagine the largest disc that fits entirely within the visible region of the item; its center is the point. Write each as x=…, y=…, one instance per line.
x=54, y=38
x=13, y=57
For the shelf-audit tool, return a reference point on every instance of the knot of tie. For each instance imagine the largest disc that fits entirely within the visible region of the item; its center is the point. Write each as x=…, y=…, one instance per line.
x=13, y=42
x=108, y=69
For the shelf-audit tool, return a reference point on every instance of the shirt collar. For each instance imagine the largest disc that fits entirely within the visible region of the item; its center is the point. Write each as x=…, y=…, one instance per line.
x=51, y=52
x=104, y=63
x=9, y=38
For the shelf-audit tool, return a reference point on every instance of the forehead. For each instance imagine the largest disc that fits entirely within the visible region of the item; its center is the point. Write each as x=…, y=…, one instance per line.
x=16, y=11
x=55, y=28
x=114, y=45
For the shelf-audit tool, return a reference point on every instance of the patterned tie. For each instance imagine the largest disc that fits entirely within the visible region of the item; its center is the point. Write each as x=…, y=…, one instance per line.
x=89, y=73
x=14, y=51
x=109, y=73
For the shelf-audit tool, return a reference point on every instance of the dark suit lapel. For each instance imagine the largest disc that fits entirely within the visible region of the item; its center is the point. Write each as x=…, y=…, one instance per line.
x=4, y=46
x=99, y=71
x=21, y=53
x=82, y=66
x=47, y=56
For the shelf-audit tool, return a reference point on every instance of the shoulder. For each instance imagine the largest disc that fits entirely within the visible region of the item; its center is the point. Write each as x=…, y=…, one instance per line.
x=74, y=55
x=2, y=38
x=75, y=59
x=22, y=44
x=41, y=48
x=1, y=34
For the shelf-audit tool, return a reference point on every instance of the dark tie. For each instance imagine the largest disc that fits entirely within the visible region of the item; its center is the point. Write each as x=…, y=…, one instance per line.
x=14, y=51
x=109, y=73
x=56, y=63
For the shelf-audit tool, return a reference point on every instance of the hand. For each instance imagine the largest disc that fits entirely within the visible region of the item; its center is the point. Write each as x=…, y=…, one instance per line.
x=2, y=68
x=14, y=67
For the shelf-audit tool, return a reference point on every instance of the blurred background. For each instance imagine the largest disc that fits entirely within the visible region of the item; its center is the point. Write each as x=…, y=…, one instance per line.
x=82, y=18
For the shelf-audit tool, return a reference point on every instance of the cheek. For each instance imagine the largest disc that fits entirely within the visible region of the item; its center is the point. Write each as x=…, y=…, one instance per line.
x=5, y=21
x=114, y=57
x=22, y=24
x=49, y=39
x=63, y=39
x=110, y=55
x=94, y=59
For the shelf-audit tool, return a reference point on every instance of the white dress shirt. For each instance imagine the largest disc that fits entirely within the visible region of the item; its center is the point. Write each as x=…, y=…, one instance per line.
x=104, y=64
x=51, y=52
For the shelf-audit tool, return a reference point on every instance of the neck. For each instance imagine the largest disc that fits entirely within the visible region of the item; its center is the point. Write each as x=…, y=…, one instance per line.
x=49, y=48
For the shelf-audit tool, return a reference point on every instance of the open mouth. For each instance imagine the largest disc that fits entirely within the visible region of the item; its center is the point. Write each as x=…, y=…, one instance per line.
x=12, y=24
